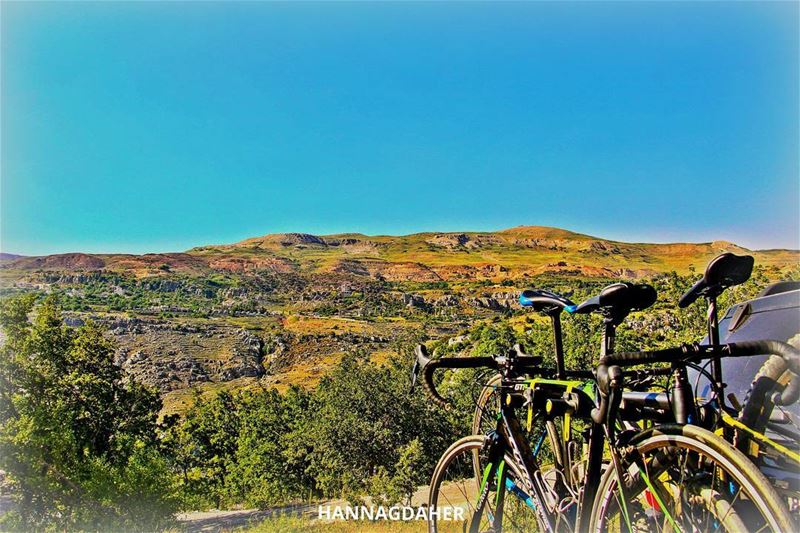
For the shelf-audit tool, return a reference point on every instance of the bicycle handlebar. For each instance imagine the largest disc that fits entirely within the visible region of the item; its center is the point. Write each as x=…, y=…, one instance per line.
x=428, y=366
x=609, y=370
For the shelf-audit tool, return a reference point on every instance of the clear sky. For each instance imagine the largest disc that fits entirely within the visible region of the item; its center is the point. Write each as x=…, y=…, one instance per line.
x=140, y=127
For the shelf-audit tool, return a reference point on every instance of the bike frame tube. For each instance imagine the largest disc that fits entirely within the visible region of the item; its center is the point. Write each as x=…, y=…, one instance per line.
x=609, y=335
x=513, y=440
x=597, y=439
x=594, y=469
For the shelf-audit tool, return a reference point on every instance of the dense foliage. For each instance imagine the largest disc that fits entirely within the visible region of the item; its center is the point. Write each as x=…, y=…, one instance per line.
x=83, y=448
x=79, y=442
x=358, y=432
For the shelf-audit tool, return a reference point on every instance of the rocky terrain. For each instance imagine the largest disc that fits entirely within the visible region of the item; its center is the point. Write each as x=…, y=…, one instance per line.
x=507, y=254
x=279, y=310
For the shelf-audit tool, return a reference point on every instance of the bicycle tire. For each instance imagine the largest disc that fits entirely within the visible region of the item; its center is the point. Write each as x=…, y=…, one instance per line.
x=461, y=452
x=733, y=469
x=757, y=406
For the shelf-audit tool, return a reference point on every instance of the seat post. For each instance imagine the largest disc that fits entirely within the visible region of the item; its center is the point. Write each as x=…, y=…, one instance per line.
x=555, y=318
x=713, y=340
x=609, y=335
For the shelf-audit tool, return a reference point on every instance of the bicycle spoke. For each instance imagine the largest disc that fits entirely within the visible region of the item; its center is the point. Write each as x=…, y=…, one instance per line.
x=730, y=506
x=647, y=475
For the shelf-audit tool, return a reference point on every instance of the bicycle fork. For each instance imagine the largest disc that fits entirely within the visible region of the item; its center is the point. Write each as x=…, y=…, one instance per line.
x=495, y=466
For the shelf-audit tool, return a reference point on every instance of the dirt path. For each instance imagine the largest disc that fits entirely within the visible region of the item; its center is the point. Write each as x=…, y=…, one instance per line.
x=208, y=521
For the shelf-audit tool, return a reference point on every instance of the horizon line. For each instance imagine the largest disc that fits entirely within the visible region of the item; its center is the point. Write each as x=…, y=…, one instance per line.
x=176, y=250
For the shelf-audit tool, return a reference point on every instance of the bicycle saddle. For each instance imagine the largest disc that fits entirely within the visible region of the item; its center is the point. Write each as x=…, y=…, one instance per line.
x=726, y=270
x=617, y=300
x=545, y=302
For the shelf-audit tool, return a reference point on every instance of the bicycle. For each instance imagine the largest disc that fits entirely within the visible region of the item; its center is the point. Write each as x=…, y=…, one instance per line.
x=554, y=454
x=678, y=405
x=747, y=425
x=610, y=383
x=560, y=440
x=657, y=451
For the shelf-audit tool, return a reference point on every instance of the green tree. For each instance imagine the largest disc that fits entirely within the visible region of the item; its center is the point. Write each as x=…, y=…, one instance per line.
x=362, y=417
x=409, y=471
x=204, y=446
x=492, y=339
x=76, y=439
x=265, y=467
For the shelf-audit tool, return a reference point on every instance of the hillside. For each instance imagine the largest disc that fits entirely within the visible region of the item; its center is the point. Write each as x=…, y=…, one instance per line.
x=283, y=309
x=510, y=253
x=507, y=254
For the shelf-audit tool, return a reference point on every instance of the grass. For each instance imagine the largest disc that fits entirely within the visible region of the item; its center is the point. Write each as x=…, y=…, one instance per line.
x=328, y=325
x=179, y=400
x=291, y=524
x=514, y=249
x=306, y=374
x=265, y=324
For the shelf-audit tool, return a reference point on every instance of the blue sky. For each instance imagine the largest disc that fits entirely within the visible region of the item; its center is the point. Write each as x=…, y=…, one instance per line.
x=140, y=127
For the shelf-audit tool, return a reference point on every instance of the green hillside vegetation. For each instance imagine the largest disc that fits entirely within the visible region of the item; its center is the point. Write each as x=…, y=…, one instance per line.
x=283, y=310
x=522, y=250
x=84, y=447
x=276, y=370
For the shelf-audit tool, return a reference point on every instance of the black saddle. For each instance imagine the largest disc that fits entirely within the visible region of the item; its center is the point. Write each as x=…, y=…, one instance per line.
x=617, y=300
x=726, y=270
x=545, y=302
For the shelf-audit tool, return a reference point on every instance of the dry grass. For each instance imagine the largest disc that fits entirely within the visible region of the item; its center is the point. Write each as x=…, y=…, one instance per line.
x=179, y=400
x=517, y=250
x=306, y=374
x=298, y=525
x=329, y=325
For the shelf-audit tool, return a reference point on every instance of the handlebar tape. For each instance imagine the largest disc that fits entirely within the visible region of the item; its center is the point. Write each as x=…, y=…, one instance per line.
x=787, y=352
x=789, y=395
x=450, y=362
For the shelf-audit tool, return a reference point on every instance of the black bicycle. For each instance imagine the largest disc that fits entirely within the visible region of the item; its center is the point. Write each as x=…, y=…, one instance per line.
x=673, y=476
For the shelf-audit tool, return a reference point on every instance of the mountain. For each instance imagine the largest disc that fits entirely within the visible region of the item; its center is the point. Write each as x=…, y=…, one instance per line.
x=283, y=309
x=8, y=257
x=445, y=256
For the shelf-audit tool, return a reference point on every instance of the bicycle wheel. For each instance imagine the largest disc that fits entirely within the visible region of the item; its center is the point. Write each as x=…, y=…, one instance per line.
x=487, y=407
x=772, y=376
x=685, y=478
x=455, y=485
